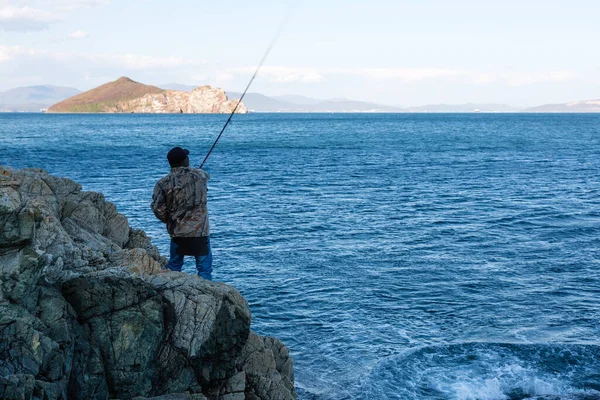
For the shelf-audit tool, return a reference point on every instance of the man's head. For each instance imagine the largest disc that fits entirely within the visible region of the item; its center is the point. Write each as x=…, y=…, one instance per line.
x=178, y=157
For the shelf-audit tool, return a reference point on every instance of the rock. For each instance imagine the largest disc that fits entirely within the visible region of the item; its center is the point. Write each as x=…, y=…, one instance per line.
x=202, y=100
x=205, y=100
x=87, y=310
x=268, y=369
x=178, y=396
x=16, y=387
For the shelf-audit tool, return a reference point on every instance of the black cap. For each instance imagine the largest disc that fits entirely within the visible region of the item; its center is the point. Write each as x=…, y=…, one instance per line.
x=176, y=155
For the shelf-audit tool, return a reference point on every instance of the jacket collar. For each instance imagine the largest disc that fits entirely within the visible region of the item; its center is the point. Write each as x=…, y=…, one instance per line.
x=179, y=169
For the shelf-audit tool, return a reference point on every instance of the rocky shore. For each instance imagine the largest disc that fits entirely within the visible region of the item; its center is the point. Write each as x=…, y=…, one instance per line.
x=87, y=310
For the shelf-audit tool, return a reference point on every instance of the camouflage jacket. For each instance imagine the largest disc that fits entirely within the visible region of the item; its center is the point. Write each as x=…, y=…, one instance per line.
x=179, y=200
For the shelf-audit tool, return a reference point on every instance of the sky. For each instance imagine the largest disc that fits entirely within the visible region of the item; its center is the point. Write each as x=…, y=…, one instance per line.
x=402, y=52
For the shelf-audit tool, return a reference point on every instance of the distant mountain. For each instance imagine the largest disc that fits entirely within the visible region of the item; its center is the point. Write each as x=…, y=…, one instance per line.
x=296, y=103
x=103, y=97
x=351, y=106
x=587, y=106
x=260, y=103
x=463, y=108
x=296, y=99
x=34, y=98
x=293, y=103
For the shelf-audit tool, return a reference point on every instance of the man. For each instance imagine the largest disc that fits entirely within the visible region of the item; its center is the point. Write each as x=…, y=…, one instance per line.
x=179, y=200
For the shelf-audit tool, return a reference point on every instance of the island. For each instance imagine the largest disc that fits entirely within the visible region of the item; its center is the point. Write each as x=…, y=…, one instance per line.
x=128, y=96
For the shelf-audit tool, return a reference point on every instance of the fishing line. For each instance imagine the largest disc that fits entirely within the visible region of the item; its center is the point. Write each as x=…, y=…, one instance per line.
x=277, y=34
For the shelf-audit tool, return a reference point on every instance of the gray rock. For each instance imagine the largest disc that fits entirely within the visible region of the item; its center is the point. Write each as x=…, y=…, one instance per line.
x=268, y=369
x=177, y=396
x=16, y=387
x=87, y=310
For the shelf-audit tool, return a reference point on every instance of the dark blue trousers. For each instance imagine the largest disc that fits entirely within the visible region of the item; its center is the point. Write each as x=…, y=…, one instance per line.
x=203, y=263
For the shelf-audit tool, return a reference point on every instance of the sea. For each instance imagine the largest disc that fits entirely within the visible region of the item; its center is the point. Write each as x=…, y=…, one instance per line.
x=399, y=256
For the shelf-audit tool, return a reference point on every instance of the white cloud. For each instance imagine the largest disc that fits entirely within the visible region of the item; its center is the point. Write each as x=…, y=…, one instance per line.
x=9, y=53
x=24, y=19
x=79, y=35
x=17, y=61
x=70, y=5
x=403, y=74
x=73, y=4
x=134, y=61
x=199, y=77
x=523, y=79
x=520, y=78
x=222, y=78
x=408, y=75
x=21, y=66
x=120, y=61
x=32, y=15
x=483, y=78
x=280, y=74
x=4, y=55
x=283, y=74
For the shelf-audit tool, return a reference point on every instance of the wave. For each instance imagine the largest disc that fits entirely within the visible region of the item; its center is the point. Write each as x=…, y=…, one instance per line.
x=485, y=371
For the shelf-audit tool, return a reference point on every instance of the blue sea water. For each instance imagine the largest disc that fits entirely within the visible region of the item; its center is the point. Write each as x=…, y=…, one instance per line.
x=399, y=256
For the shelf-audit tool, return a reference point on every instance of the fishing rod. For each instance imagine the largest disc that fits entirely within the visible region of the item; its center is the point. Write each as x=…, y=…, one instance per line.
x=278, y=33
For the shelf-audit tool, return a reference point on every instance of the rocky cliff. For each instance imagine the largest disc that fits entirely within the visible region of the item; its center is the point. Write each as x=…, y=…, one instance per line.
x=87, y=310
x=202, y=100
x=127, y=96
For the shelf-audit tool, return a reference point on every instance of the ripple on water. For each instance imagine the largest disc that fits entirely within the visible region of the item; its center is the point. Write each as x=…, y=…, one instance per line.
x=383, y=249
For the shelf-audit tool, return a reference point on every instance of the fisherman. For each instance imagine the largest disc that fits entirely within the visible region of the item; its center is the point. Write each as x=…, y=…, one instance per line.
x=179, y=200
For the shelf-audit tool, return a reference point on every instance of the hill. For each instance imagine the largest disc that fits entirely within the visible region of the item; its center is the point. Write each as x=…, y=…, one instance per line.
x=34, y=98
x=586, y=106
x=105, y=97
x=127, y=96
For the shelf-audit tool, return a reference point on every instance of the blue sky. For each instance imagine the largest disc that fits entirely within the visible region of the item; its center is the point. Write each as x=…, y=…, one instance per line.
x=393, y=52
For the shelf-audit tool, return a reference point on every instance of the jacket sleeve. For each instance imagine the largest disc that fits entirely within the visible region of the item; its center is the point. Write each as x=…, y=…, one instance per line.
x=159, y=203
x=204, y=174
